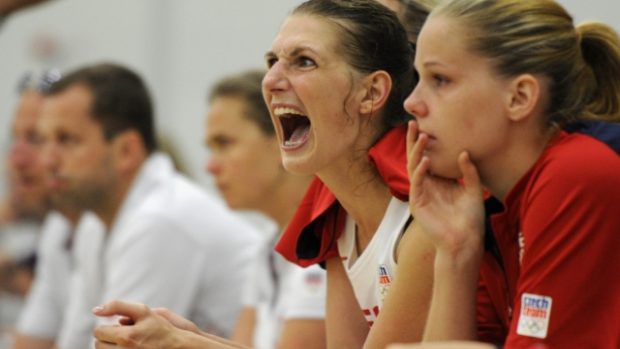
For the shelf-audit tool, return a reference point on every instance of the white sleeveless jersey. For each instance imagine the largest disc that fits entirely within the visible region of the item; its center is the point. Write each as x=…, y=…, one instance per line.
x=372, y=273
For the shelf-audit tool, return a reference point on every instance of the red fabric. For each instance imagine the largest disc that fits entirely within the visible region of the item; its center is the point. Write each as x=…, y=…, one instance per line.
x=493, y=305
x=311, y=236
x=389, y=156
x=564, y=212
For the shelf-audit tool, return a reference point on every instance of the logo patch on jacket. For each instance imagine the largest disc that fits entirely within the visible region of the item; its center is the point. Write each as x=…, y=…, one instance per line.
x=534, y=316
x=385, y=281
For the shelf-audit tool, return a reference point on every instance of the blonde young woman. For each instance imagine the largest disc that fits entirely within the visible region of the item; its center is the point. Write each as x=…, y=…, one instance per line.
x=498, y=82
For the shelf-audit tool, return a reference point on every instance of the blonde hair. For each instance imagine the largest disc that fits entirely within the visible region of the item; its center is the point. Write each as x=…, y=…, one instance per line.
x=581, y=63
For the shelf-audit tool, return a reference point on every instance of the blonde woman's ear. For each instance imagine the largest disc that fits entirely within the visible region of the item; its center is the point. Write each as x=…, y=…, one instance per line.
x=525, y=96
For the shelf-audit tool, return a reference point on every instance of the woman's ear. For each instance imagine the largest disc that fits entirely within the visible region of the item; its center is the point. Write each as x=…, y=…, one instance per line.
x=524, y=97
x=377, y=87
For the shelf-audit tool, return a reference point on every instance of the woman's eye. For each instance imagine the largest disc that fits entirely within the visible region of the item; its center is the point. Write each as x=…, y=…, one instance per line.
x=305, y=62
x=223, y=143
x=440, y=80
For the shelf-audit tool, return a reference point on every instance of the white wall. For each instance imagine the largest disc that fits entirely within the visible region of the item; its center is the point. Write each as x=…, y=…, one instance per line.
x=180, y=46
x=607, y=11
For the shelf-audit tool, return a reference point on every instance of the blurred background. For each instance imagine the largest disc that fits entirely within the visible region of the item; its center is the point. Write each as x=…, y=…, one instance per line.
x=180, y=48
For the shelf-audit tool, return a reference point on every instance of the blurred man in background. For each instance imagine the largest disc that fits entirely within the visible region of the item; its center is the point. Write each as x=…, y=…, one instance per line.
x=26, y=203
x=167, y=243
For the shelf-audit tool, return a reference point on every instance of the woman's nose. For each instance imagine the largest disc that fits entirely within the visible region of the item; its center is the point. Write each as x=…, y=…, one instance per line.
x=414, y=104
x=275, y=78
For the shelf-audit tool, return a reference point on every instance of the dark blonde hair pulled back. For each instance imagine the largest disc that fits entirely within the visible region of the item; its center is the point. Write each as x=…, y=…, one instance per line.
x=582, y=63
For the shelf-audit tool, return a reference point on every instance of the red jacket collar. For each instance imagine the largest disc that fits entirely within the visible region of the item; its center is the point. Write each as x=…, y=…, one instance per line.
x=311, y=235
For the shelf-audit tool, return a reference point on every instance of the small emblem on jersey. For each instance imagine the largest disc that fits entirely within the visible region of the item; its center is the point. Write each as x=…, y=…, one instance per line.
x=534, y=316
x=385, y=281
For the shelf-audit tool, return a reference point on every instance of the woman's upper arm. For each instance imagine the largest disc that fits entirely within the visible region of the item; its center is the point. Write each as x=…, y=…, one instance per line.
x=345, y=324
x=405, y=308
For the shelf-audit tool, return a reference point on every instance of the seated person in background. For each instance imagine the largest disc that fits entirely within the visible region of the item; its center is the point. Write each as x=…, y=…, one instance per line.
x=167, y=243
x=39, y=319
x=284, y=305
x=24, y=207
x=42, y=316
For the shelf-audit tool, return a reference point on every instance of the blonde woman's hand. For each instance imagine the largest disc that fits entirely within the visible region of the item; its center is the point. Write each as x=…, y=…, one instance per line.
x=450, y=211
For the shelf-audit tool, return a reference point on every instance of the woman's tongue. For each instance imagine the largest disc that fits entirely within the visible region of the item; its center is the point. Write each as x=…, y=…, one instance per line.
x=298, y=137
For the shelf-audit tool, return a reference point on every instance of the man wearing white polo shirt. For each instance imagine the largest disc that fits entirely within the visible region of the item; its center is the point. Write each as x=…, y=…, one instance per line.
x=168, y=244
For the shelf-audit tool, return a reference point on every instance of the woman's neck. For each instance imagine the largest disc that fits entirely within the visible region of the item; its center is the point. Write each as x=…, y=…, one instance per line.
x=502, y=174
x=363, y=195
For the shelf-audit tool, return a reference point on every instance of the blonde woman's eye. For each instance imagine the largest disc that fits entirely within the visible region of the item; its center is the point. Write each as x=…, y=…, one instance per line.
x=440, y=80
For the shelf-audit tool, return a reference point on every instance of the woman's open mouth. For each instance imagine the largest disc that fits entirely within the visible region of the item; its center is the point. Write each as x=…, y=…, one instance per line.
x=295, y=127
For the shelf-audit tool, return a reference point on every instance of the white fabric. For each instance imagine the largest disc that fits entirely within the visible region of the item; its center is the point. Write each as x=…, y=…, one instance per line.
x=279, y=290
x=19, y=240
x=77, y=316
x=372, y=272
x=18, y=243
x=171, y=245
x=43, y=310
x=43, y=313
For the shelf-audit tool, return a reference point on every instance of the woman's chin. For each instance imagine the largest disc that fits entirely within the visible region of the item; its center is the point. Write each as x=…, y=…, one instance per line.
x=297, y=167
x=452, y=172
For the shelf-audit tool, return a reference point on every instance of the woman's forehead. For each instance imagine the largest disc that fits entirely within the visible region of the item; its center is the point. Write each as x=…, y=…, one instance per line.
x=307, y=30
